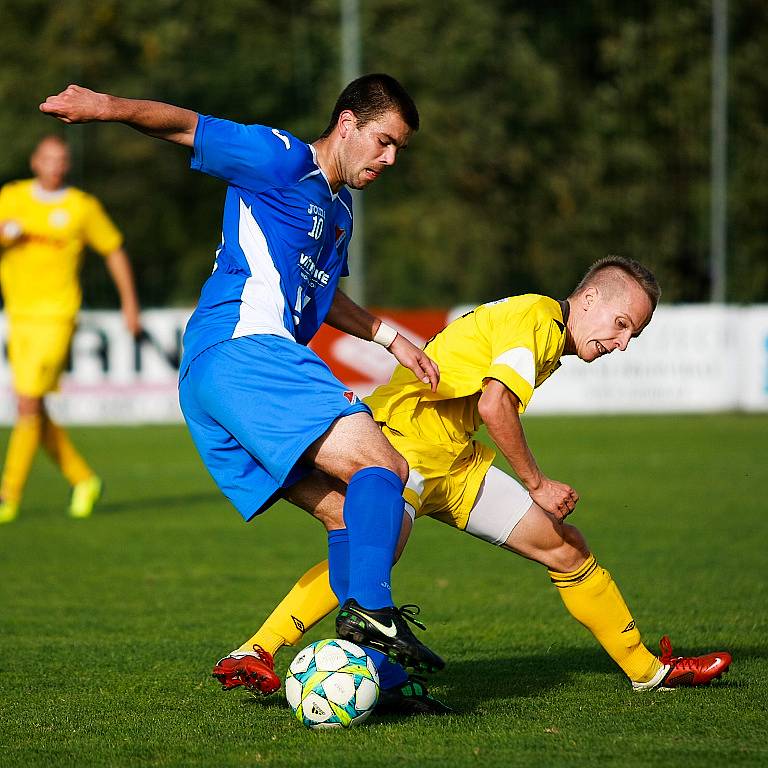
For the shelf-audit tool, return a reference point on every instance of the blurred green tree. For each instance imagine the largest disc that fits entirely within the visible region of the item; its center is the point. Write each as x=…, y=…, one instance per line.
x=552, y=133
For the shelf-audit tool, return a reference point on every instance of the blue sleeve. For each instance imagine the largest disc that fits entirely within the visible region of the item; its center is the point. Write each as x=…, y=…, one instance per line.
x=254, y=157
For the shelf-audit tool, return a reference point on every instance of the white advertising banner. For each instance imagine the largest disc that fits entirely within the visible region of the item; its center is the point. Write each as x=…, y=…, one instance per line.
x=111, y=378
x=695, y=358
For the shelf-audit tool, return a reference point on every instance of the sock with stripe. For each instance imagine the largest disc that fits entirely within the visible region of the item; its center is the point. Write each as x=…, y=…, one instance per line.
x=310, y=600
x=593, y=599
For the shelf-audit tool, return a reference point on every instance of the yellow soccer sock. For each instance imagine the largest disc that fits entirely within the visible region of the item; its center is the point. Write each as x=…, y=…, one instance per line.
x=592, y=598
x=60, y=448
x=24, y=442
x=310, y=600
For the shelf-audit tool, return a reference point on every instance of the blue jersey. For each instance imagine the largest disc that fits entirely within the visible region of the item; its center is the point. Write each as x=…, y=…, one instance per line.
x=284, y=237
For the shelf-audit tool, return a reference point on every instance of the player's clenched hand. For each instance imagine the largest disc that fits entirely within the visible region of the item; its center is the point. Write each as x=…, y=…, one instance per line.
x=76, y=105
x=410, y=356
x=555, y=497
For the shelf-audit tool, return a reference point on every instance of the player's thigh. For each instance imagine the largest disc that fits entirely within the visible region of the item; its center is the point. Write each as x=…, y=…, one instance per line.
x=352, y=443
x=499, y=507
x=37, y=352
x=275, y=397
x=539, y=536
x=240, y=477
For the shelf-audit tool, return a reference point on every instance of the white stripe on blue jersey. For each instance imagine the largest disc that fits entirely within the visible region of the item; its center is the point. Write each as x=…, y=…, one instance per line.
x=262, y=304
x=284, y=237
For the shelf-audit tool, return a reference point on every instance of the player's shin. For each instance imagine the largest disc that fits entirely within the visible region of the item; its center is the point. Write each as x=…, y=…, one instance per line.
x=24, y=442
x=338, y=563
x=60, y=448
x=309, y=601
x=390, y=674
x=373, y=514
x=592, y=598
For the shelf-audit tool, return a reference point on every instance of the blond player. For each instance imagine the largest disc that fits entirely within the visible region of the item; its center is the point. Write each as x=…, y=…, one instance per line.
x=491, y=360
x=44, y=227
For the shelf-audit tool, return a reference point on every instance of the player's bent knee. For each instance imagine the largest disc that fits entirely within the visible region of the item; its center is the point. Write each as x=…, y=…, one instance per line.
x=389, y=459
x=570, y=554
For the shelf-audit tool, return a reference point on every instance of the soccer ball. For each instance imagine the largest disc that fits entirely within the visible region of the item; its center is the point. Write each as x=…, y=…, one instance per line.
x=332, y=684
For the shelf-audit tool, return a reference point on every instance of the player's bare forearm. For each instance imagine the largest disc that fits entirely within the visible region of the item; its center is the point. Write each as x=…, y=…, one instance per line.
x=119, y=268
x=76, y=104
x=347, y=316
x=498, y=408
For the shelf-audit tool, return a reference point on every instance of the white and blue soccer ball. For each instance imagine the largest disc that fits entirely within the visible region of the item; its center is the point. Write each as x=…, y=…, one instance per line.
x=332, y=684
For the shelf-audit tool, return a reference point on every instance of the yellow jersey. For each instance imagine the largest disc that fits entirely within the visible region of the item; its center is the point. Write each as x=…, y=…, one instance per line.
x=39, y=271
x=518, y=341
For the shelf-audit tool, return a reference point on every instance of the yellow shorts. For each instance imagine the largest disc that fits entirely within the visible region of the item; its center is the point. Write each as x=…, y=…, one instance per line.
x=37, y=352
x=445, y=478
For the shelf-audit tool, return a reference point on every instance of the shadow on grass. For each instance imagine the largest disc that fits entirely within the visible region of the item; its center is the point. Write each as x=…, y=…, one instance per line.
x=471, y=686
x=143, y=502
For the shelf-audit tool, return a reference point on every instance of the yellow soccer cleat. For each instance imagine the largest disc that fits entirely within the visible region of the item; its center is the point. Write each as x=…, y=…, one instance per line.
x=8, y=511
x=84, y=497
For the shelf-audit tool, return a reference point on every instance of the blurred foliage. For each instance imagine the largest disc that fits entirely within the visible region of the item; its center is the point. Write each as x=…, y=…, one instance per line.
x=552, y=133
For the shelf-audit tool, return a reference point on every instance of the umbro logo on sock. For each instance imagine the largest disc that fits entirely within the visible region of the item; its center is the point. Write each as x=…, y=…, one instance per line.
x=629, y=627
x=299, y=624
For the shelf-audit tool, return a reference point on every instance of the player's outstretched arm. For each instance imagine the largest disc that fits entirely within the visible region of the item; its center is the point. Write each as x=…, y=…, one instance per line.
x=347, y=316
x=119, y=267
x=498, y=409
x=76, y=104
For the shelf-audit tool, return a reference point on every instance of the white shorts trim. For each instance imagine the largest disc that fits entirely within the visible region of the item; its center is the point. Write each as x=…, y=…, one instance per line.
x=500, y=505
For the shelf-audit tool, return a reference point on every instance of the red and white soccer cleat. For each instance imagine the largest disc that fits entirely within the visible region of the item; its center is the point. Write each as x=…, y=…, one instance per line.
x=255, y=670
x=685, y=671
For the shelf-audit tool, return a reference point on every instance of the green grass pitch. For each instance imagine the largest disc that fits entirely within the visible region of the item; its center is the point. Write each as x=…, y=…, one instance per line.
x=109, y=626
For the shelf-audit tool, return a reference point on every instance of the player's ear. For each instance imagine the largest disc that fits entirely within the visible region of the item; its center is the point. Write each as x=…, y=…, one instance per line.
x=346, y=122
x=590, y=296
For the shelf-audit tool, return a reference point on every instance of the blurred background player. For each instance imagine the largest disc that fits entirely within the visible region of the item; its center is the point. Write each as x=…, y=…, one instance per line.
x=491, y=360
x=262, y=408
x=44, y=226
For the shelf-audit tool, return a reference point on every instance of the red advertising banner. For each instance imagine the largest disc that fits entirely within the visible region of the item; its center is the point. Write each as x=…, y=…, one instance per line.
x=363, y=365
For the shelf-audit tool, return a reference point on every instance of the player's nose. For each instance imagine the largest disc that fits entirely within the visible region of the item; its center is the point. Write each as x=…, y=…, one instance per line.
x=623, y=341
x=389, y=156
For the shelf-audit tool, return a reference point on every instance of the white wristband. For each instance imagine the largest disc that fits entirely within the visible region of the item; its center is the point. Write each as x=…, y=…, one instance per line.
x=384, y=335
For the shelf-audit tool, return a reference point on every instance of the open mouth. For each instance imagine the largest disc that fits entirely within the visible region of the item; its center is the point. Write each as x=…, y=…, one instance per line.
x=371, y=174
x=600, y=348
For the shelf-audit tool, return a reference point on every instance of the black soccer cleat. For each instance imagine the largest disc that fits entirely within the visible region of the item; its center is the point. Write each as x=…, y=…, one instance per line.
x=410, y=698
x=387, y=630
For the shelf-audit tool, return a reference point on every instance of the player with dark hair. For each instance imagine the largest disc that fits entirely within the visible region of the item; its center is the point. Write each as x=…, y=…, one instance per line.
x=262, y=408
x=491, y=360
x=369, y=97
x=45, y=224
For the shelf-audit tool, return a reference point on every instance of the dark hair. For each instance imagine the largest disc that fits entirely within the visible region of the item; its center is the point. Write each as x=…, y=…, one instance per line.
x=369, y=97
x=634, y=269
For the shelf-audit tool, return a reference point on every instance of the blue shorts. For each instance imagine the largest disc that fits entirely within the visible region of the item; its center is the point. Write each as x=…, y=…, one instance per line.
x=254, y=405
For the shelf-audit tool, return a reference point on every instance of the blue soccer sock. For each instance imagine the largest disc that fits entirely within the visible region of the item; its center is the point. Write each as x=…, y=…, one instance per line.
x=390, y=675
x=373, y=514
x=338, y=563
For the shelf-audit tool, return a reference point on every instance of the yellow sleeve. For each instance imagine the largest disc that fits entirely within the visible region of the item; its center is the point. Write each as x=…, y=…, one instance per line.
x=519, y=350
x=4, y=202
x=100, y=232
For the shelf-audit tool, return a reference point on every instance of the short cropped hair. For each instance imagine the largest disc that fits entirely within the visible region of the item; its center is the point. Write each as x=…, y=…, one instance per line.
x=51, y=138
x=631, y=268
x=371, y=96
